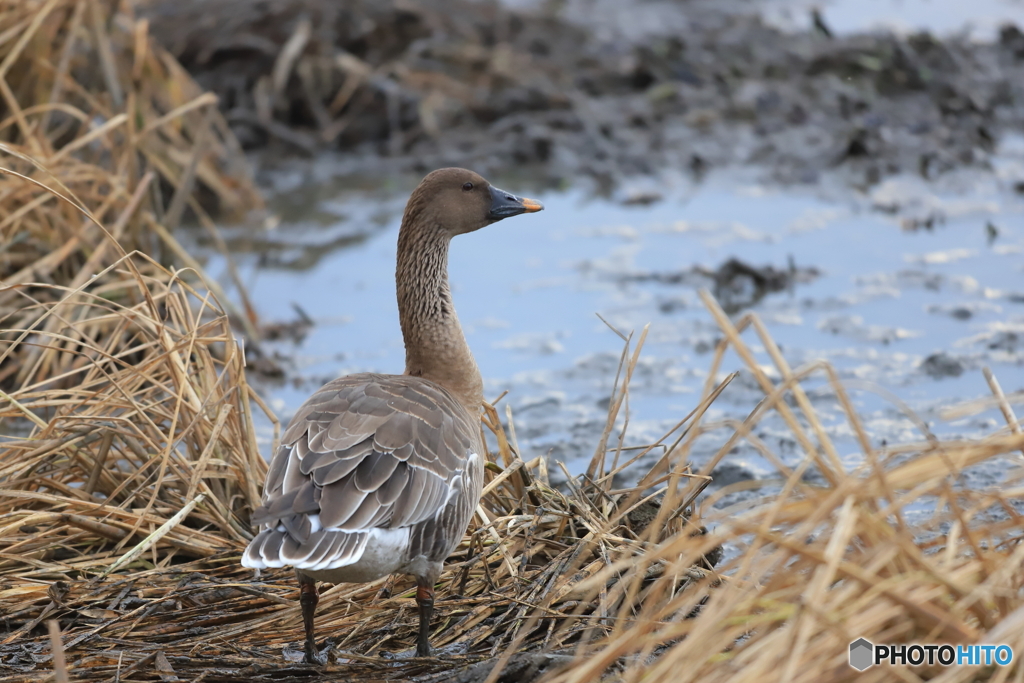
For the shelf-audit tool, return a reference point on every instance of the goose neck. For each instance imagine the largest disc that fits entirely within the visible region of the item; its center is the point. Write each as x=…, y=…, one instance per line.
x=435, y=345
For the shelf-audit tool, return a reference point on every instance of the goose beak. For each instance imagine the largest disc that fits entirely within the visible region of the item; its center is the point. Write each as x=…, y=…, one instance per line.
x=505, y=204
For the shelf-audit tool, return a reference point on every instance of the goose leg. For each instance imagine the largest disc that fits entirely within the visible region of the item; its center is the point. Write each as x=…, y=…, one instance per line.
x=425, y=601
x=308, y=597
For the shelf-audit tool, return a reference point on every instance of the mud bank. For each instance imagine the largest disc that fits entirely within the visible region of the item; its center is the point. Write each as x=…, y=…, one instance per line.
x=415, y=85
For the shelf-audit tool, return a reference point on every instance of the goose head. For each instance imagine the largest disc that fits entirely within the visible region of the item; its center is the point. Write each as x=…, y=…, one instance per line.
x=459, y=201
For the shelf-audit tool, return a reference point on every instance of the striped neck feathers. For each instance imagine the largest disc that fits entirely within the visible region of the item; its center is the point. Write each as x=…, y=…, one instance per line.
x=435, y=346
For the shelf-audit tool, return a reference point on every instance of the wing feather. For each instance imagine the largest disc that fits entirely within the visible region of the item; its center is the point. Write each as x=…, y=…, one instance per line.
x=336, y=471
x=298, y=527
x=366, y=451
x=338, y=501
x=363, y=516
x=375, y=471
x=320, y=544
x=390, y=490
x=270, y=549
x=311, y=461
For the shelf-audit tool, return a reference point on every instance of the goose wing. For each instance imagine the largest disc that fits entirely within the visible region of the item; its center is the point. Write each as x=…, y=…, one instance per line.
x=365, y=453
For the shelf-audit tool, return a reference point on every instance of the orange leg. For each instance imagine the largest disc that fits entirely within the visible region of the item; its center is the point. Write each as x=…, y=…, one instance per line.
x=425, y=601
x=309, y=597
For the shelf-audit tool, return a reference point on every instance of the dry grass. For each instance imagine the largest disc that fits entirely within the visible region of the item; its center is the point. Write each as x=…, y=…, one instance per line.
x=93, y=538
x=90, y=108
x=822, y=564
x=129, y=465
x=153, y=418
x=146, y=458
x=817, y=566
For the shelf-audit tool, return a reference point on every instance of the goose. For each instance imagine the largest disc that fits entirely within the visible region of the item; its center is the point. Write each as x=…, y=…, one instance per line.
x=380, y=474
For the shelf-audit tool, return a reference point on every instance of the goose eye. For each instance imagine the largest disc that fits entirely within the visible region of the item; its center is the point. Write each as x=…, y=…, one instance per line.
x=467, y=187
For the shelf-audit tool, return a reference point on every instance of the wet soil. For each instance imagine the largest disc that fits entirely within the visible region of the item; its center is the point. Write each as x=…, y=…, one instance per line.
x=593, y=88
x=523, y=667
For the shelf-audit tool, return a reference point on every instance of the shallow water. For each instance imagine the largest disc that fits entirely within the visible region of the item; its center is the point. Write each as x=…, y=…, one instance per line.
x=980, y=19
x=890, y=293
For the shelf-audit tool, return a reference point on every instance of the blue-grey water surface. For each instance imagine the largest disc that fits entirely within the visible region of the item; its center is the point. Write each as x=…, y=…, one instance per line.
x=920, y=285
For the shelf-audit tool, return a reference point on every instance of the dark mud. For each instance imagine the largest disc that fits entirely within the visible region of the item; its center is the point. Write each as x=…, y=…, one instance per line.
x=736, y=284
x=523, y=667
x=695, y=86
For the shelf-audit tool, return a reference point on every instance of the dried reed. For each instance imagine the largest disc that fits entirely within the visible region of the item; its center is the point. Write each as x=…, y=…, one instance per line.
x=150, y=417
x=127, y=484
x=898, y=548
x=619, y=581
x=158, y=423
x=91, y=108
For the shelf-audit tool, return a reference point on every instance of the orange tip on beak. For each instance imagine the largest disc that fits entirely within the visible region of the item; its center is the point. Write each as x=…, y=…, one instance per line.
x=532, y=205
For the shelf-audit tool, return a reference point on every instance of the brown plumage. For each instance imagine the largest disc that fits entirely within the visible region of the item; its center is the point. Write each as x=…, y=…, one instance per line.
x=378, y=474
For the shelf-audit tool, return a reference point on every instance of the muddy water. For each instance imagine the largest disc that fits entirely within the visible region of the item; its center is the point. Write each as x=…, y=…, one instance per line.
x=906, y=287
x=980, y=19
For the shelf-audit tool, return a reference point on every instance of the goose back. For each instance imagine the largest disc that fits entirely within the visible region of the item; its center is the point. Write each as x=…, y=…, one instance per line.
x=370, y=461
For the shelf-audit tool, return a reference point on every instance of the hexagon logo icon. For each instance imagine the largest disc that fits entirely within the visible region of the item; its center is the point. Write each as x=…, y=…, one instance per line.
x=862, y=654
